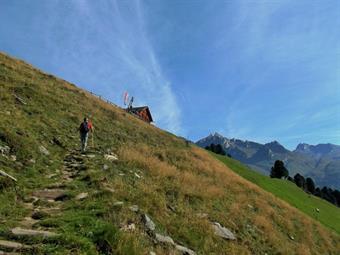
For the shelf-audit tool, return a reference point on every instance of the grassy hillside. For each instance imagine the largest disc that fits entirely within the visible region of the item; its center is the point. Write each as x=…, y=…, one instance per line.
x=182, y=188
x=329, y=214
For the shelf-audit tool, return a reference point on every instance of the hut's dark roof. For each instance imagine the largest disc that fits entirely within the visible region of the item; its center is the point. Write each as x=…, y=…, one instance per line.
x=136, y=110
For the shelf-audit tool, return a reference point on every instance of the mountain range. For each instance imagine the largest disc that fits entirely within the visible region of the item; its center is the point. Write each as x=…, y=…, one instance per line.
x=320, y=162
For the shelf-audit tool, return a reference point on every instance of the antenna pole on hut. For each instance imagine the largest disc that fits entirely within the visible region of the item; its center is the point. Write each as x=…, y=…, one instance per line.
x=130, y=104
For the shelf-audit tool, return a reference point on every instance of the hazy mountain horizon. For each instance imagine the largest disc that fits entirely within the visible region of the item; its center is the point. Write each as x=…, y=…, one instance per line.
x=320, y=162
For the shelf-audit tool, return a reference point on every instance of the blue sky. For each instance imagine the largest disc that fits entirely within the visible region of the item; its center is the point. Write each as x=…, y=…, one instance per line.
x=255, y=70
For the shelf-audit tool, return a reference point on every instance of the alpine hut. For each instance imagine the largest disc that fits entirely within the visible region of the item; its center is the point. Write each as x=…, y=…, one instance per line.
x=142, y=112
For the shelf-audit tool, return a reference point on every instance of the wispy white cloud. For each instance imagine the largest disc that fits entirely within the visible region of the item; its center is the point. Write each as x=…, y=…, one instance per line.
x=252, y=69
x=106, y=49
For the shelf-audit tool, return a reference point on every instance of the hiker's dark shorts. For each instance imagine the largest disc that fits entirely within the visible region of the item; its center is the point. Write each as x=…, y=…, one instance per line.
x=84, y=137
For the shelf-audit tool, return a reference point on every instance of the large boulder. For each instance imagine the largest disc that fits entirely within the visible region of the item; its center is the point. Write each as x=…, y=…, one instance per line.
x=149, y=224
x=7, y=245
x=164, y=239
x=30, y=232
x=43, y=150
x=111, y=157
x=51, y=194
x=4, y=150
x=222, y=231
x=184, y=250
x=82, y=196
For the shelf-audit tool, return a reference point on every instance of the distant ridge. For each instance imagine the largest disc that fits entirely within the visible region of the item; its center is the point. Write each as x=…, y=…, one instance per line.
x=319, y=150
x=321, y=161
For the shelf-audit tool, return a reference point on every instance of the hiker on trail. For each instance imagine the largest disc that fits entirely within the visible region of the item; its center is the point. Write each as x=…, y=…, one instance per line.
x=84, y=129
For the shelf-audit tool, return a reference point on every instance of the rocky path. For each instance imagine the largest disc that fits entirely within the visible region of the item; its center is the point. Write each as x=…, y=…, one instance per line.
x=30, y=235
x=42, y=204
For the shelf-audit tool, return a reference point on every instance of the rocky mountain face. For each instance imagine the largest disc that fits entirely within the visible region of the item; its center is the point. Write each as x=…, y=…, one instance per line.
x=320, y=162
x=320, y=150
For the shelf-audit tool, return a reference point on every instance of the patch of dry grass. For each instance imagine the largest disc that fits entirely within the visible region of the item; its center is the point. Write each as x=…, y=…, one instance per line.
x=204, y=183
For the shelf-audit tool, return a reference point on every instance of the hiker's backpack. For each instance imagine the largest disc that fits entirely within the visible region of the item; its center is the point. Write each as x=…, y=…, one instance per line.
x=84, y=127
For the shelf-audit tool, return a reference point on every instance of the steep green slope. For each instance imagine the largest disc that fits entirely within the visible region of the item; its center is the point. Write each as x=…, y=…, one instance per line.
x=96, y=203
x=328, y=214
